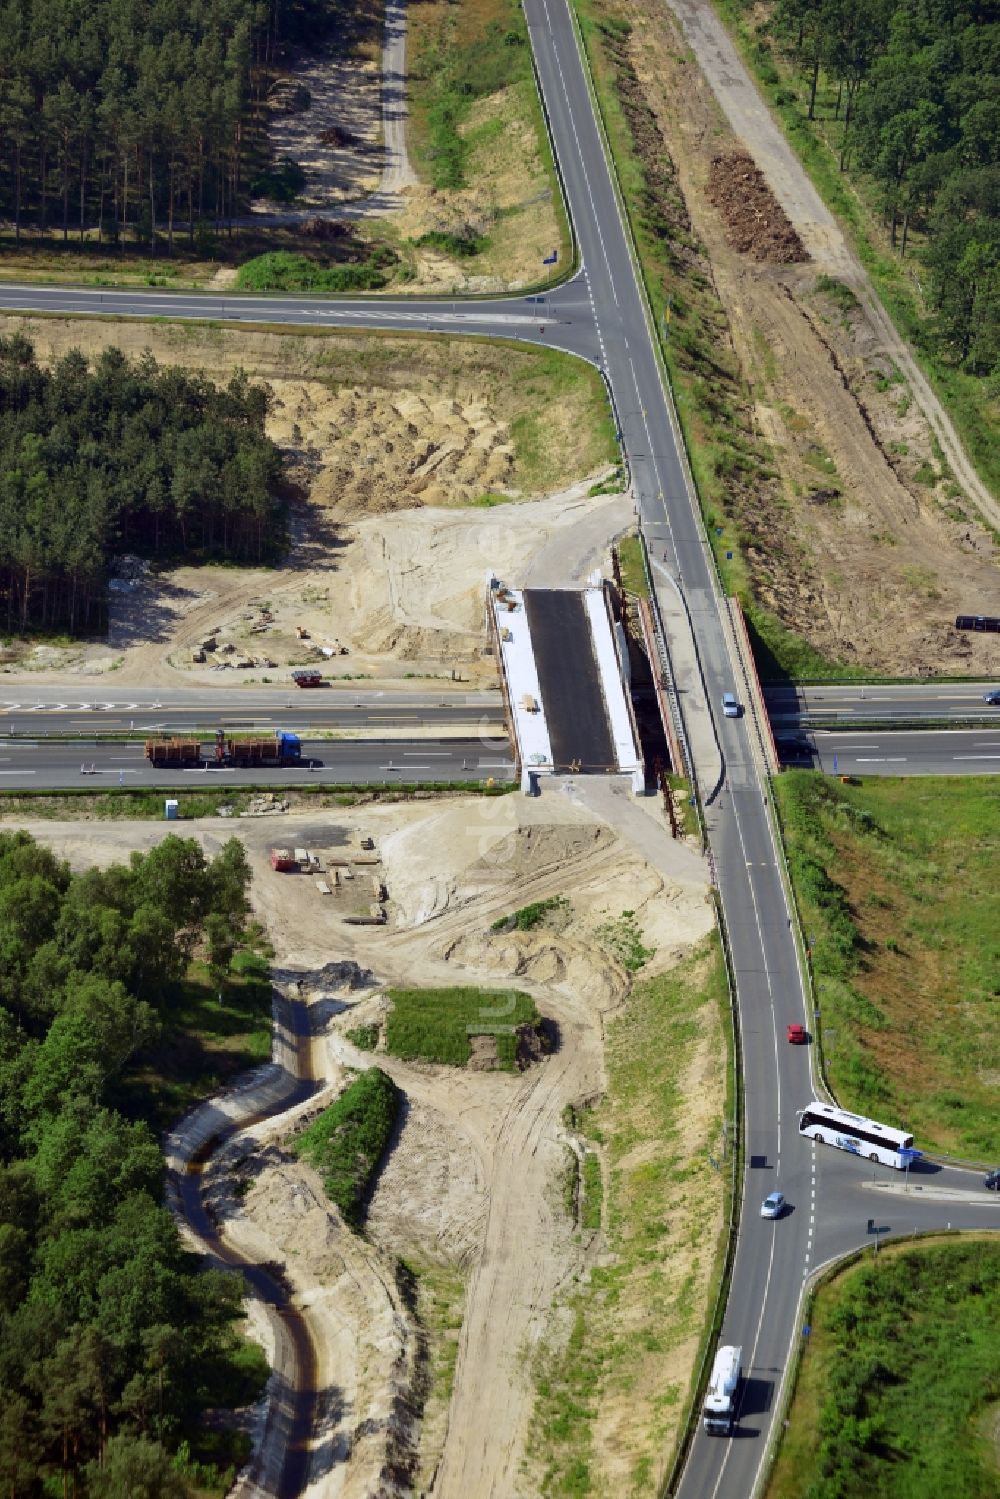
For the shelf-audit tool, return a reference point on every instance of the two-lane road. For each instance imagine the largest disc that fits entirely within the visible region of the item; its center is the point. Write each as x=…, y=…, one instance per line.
x=560, y=318
x=897, y=752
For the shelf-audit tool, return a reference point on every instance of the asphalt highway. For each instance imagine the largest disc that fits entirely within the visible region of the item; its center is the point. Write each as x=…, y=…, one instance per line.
x=40, y=766
x=902, y=752
x=601, y=315
x=771, y=1260
x=38, y=711
x=790, y=707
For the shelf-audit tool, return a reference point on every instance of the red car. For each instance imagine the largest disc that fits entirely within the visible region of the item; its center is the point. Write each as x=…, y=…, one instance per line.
x=797, y=1035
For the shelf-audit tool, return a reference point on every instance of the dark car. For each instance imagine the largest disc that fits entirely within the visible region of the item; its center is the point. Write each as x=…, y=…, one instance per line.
x=993, y=698
x=793, y=747
x=992, y=1181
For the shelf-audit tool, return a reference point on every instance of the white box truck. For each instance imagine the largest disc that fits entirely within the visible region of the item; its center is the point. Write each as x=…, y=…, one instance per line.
x=720, y=1397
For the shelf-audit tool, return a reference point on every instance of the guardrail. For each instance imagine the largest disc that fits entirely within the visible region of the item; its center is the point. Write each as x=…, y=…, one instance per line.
x=758, y=708
x=809, y=723
x=686, y=760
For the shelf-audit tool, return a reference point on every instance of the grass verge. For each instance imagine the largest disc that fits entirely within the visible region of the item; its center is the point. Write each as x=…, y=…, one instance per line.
x=899, y=1372
x=438, y=1025
x=632, y=569
x=896, y=886
x=613, y=1373
x=346, y=1143
x=817, y=144
x=137, y=805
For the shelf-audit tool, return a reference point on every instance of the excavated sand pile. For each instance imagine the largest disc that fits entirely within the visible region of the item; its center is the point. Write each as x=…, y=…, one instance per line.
x=373, y=451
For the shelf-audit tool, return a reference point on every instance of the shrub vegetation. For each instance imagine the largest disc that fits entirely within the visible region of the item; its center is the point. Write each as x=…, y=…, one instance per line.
x=346, y=1143
x=528, y=917
x=897, y=1380
x=284, y=270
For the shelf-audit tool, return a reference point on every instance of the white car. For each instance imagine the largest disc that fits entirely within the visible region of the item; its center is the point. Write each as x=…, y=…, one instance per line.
x=773, y=1205
x=730, y=705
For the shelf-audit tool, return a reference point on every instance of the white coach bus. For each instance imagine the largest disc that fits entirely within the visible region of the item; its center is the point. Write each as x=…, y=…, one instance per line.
x=876, y=1142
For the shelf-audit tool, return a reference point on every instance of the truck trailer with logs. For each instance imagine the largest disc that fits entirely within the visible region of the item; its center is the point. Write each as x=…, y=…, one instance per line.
x=277, y=749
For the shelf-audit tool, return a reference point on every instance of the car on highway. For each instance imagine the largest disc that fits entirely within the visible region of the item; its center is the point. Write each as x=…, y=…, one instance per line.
x=993, y=698
x=773, y=1205
x=992, y=1181
x=730, y=705
x=793, y=747
x=797, y=1035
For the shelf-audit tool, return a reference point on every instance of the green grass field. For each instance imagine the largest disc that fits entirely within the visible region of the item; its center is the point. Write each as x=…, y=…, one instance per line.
x=897, y=1391
x=896, y=882
x=437, y=1025
x=346, y=1143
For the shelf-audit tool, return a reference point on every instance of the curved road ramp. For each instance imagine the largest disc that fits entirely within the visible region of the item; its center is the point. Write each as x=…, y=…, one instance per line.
x=279, y=1468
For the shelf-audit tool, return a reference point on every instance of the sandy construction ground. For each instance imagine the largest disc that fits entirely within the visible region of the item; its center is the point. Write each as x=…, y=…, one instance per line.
x=471, y=1182
x=336, y=139
x=869, y=547
x=398, y=599
x=390, y=444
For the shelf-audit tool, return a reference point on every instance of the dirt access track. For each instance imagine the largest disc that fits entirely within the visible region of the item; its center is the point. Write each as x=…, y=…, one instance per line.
x=471, y=1184
x=871, y=543
x=392, y=445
